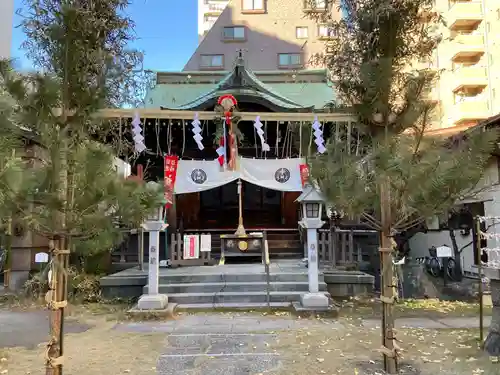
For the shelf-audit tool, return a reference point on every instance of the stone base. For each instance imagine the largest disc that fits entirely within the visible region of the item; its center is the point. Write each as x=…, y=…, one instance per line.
x=152, y=302
x=491, y=273
x=345, y=284
x=314, y=301
x=330, y=311
x=168, y=311
x=18, y=279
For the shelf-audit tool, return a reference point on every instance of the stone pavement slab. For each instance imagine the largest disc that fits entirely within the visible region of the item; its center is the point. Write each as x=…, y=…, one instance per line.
x=427, y=323
x=221, y=323
x=216, y=354
x=30, y=328
x=465, y=322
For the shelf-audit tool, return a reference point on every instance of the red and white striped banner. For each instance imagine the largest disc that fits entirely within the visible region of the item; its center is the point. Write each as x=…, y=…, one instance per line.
x=191, y=246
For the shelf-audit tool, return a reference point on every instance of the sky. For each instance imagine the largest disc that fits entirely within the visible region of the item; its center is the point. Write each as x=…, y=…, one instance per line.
x=167, y=33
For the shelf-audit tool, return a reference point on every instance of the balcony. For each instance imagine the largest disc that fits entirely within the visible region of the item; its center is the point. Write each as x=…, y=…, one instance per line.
x=433, y=96
x=466, y=46
x=215, y=8
x=464, y=14
x=469, y=77
x=470, y=111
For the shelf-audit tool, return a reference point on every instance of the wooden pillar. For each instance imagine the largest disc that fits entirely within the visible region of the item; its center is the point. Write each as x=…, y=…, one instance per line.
x=289, y=209
x=172, y=216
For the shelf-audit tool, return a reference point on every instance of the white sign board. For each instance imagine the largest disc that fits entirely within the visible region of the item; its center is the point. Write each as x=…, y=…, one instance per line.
x=206, y=243
x=41, y=258
x=444, y=252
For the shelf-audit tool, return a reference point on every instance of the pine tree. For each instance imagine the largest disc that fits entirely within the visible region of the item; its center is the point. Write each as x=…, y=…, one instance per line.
x=395, y=176
x=74, y=196
x=11, y=175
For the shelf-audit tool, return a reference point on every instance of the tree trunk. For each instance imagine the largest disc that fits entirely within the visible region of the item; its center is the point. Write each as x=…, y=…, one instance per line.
x=492, y=343
x=456, y=255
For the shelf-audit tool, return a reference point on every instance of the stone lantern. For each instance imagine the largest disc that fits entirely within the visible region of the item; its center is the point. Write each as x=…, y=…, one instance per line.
x=153, y=224
x=311, y=201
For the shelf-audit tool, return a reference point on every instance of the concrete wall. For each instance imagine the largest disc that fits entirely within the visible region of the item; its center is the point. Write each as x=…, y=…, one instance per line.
x=421, y=242
x=122, y=168
x=6, y=25
x=212, y=9
x=267, y=35
x=488, y=96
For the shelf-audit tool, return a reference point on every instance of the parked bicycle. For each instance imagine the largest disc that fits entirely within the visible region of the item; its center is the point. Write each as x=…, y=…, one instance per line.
x=436, y=268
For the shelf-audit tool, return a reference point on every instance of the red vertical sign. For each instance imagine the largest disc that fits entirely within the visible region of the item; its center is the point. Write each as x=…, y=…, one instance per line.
x=170, y=169
x=191, y=246
x=304, y=174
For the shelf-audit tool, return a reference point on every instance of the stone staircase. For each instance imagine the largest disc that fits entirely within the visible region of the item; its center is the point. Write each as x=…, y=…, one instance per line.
x=236, y=286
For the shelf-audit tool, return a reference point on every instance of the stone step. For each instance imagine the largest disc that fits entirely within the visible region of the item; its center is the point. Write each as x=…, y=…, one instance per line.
x=234, y=297
x=241, y=287
x=233, y=277
x=232, y=306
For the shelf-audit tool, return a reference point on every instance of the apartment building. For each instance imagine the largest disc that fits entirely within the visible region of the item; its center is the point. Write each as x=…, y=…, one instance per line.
x=273, y=35
x=6, y=24
x=468, y=59
x=208, y=12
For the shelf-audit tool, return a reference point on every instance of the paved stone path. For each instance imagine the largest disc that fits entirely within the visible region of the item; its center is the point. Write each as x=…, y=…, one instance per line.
x=30, y=328
x=217, y=344
x=220, y=344
x=207, y=344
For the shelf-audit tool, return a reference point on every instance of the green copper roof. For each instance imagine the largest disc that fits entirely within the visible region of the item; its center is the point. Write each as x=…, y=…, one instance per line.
x=312, y=94
x=244, y=84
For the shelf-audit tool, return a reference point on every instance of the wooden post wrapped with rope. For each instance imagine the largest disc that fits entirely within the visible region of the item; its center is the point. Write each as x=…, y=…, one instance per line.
x=56, y=302
x=387, y=297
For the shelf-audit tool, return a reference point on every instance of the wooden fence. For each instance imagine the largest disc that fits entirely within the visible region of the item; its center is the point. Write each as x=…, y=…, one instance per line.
x=176, y=252
x=336, y=248
x=339, y=248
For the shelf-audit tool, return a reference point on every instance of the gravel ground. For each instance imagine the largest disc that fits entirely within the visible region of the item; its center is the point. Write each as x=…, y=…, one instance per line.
x=97, y=350
x=353, y=350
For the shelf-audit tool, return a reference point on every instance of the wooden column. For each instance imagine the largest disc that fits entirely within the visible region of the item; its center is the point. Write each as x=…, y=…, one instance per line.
x=172, y=216
x=289, y=209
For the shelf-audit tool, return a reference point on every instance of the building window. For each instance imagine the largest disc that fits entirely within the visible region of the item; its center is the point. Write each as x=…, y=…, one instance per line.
x=325, y=32
x=212, y=61
x=315, y=5
x=289, y=60
x=234, y=33
x=301, y=32
x=253, y=6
